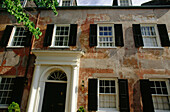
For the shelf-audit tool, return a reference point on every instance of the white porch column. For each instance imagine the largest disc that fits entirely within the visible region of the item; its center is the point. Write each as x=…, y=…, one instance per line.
x=34, y=88
x=74, y=87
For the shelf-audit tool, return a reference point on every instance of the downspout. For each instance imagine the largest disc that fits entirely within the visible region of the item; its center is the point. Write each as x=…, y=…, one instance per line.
x=31, y=46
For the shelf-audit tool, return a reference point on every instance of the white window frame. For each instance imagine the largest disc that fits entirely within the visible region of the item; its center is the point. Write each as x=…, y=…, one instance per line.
x=167, y=81
x=67, y=0
x=157, y=36
x=53, y=36
x=5, y=105
x=113, y=36
x=11, y=39
x=117, y=96
x=130, y=3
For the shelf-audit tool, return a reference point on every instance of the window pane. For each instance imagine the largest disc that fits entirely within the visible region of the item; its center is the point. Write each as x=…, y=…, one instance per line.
x=101, y=83
x=101, y=89
x=158, y=91
x=6, y=87
x=152, y=84
x=149, y=36
x=163, y=83
x=153, y=91
x=19, y=38
x=164, y=90
x=112, y=83
x=106, y=82
x=107, y=90
x=160, y=98
x=61, y=37
x=107, y=96
x=105, y=36
x=157, y=84
x=113, y=90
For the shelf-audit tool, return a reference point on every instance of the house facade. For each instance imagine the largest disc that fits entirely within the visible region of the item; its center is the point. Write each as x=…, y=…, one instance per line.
x=104, y=58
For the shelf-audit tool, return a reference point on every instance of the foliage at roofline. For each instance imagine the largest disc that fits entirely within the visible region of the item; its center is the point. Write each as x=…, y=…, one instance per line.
x=15, y=8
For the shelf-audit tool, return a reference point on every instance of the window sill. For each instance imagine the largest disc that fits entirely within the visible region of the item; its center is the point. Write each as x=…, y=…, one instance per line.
x=153, y=47
x=3, y=106
x=15, y=46
x=59, y=47
x=106, y=47
x=107, y=110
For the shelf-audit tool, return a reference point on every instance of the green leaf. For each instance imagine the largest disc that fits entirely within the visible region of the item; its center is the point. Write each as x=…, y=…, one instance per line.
x=15, y=8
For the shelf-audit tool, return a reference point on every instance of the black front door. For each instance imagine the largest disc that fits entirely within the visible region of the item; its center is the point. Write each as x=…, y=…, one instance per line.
x=54, y=97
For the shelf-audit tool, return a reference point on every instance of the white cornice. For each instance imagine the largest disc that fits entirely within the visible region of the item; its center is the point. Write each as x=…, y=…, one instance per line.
x=51, y=57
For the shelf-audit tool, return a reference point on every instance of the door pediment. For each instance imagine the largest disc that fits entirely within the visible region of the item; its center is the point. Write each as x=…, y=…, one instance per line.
x=49, y=57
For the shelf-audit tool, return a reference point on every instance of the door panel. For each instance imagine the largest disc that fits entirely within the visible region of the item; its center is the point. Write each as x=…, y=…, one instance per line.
x=54, y=97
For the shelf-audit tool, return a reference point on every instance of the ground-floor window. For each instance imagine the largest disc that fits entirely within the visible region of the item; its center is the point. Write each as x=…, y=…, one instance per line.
x=160, y=94
x=6, y=87
x=107, y=94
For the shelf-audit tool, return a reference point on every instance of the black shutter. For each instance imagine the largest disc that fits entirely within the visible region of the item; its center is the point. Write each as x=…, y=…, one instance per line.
x=48, y=35
x=73, y=35
x=92, y=95
x=18, y=89
x=123, y=95
x=146, y=96
x=28, y=39
x=93, y=35
x=6, y=35
x=118, y=35
x=115, y=3
x=163, y=34
x=137, y=35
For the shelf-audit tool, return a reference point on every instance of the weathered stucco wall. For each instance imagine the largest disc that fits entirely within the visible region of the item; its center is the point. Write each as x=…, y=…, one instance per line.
x=125, y=62
x=13, y=61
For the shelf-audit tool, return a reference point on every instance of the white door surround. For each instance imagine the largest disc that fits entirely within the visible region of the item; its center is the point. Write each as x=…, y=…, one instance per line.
x=48, y=61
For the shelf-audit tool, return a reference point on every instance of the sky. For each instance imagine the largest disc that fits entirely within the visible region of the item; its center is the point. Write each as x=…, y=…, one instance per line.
x=106, y=2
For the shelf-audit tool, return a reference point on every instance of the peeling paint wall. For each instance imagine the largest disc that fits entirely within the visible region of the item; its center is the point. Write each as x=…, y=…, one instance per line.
x=125, y=62
x=13, y=61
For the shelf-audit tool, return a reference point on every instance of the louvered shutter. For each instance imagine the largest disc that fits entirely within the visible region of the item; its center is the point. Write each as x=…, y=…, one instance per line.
x=146, y=96
x=118, y=35
x=163, y=34
x=137, y=35
x=93, y=35
x=73, y=35
x=92, y=95
x=18, y=89
x=28, y=38
x=115, y=3
x=6, y=35
x=48, y=35
x=123, y=95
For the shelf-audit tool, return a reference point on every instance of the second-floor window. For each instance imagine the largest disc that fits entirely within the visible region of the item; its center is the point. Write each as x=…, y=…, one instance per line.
x=61, y=35
x=160, y=94
x=19, y=36
x=105, y=36
x=150, y=36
